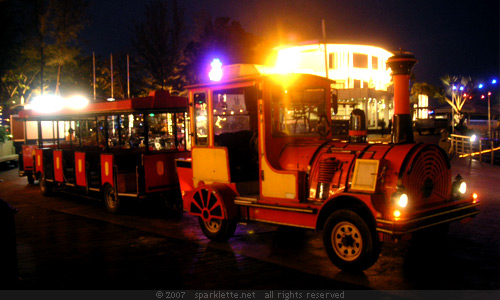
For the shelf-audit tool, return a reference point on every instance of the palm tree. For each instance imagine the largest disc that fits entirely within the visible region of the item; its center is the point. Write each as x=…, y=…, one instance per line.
x=456, y=92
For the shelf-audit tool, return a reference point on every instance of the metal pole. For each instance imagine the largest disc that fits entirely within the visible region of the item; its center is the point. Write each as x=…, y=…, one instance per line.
x=111, y=75
x=128, y=76
x=489, y=117
x=452, y=111
x=323, y=25
x=93, y=67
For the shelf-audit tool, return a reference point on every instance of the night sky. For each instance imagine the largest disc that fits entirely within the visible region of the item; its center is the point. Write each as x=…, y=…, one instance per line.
x=447, y=37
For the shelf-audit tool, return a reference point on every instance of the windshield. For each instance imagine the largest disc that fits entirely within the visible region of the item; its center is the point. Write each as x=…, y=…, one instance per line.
x=297, y=112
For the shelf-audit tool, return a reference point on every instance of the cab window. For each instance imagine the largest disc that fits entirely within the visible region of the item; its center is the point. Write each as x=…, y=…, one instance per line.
x=297, y=112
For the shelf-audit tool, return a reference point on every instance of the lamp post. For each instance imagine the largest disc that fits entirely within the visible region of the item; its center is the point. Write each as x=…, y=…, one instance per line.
x=489, y=116
x=494, y=81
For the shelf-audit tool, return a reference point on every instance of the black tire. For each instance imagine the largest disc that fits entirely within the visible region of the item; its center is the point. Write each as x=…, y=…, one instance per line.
x=350, y=242
x=46, y=188
x=217, y=229
x=111, y=199
x=31, y=179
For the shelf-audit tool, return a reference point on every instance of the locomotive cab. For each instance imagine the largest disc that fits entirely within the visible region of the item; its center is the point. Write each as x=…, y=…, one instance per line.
x=262, y=150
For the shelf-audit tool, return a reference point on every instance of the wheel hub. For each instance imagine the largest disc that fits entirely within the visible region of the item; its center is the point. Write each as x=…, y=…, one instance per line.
x=347, y=241
x=205, y=215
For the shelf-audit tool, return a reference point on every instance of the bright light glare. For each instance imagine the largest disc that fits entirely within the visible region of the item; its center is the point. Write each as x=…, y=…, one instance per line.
x=493, y=81
x=461, y=88
x=480, y=86
x=47, y=103
x=463, y=187
x=396, y=213
x=403, y=200
x=76, y=102
x=473, y=138
x=215, y=73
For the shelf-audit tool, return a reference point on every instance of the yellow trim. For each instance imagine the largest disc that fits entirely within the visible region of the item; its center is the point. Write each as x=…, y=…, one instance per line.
x=210, y=165
x=274, y=183
x=366, y=180
x=277, y=185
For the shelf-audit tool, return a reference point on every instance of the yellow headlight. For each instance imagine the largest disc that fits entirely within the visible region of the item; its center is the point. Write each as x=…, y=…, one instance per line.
x=463, y=187
x=403, y=200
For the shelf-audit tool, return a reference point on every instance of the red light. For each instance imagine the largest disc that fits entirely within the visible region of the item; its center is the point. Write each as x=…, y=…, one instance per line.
x=465, y=95
x=482, y=96
x=489, y=93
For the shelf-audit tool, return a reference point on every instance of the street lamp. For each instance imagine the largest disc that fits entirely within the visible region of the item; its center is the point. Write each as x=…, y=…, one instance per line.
x=480, y=86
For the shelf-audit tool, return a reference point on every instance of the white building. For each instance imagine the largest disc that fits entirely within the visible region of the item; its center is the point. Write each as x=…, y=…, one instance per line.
x=362, y=78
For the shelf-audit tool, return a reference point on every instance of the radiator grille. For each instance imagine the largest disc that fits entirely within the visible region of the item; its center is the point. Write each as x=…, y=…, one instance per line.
x=327, y=169
x=428, y=176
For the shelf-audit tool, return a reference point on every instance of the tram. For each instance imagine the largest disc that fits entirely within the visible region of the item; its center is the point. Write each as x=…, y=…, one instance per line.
x=262, y=150
x=114, y=150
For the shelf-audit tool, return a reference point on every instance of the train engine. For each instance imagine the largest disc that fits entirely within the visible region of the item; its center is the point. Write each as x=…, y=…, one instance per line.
x=262, y=150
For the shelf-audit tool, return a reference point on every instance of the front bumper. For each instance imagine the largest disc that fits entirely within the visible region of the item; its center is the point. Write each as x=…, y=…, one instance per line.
x=397, y=228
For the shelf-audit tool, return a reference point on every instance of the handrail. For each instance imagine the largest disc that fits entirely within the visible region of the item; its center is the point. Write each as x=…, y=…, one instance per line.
x=461, y=145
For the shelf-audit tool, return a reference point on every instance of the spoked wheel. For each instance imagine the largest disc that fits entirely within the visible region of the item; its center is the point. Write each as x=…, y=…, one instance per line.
x=45, y=187
x=111, y=199
x=349, y=241
x=207, y=204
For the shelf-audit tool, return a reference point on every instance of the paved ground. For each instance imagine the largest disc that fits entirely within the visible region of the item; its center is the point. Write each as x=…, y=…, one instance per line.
x=72, y=243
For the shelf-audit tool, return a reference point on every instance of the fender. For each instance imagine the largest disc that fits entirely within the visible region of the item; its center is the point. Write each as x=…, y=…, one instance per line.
x=204, y=202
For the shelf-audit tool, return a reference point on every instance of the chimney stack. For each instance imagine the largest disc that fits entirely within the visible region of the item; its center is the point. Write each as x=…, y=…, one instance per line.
x=401, y=65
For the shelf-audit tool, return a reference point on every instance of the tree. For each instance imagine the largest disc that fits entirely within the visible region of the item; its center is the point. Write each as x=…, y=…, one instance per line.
x=50, y=34
x=158, y=40
x=65, y=20
x=17, y=54
x=423, y=88
x=456, y=92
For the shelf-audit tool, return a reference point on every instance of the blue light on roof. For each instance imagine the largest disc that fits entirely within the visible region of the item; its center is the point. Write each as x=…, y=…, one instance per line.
x=215, y=73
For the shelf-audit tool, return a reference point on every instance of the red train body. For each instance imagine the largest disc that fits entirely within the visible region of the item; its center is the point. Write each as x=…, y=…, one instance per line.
x=262, y=151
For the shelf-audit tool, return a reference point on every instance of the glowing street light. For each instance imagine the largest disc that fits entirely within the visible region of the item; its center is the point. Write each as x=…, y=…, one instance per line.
x=494, y=81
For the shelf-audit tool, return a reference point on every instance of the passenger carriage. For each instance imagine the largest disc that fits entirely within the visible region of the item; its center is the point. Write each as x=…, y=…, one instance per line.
x=114, y=150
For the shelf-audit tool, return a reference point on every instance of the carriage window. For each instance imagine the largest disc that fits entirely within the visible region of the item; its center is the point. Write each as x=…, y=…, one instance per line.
x=201, y=119
x=230, y=111
x=166, y=130
x=297, y=112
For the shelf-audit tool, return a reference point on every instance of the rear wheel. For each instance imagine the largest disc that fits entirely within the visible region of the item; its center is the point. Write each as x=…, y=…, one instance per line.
x=350, y=242
x=31, y=179
x=111, y=199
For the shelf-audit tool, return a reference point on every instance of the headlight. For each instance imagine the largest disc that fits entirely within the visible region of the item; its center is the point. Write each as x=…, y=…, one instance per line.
x=463, y=187
x=459, y=187
x=400, y=198
x=403, y=200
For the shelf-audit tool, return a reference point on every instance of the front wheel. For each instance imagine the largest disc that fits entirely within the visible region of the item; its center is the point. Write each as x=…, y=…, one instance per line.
x=111, y=199
x=349, y=242
x=218, y=229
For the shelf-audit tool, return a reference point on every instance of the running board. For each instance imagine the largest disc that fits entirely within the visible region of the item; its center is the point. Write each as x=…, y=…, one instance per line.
x=252, y=202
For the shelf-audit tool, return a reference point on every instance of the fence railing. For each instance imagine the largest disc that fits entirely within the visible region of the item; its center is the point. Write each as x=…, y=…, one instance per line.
x=468, y=146
x=461, y=145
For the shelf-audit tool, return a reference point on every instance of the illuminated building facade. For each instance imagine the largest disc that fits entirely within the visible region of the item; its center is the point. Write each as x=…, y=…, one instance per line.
x=360, y=73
